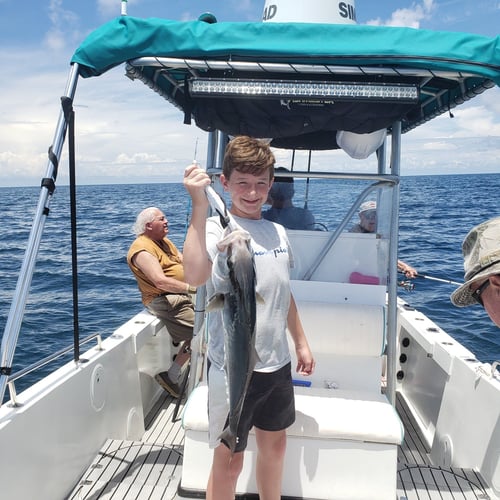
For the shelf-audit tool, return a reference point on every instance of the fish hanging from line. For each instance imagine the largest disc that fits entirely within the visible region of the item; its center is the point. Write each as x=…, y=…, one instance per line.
x=239, y=308
x=238, y=300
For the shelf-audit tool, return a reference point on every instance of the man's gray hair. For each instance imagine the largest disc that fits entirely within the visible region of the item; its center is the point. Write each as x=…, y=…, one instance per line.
x=145, y=217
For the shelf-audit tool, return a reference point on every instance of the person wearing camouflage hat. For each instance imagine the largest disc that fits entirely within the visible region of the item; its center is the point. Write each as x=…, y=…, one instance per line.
x=481, y=251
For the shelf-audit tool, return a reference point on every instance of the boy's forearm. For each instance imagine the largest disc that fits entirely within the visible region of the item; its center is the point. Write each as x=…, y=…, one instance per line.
x=295, y=326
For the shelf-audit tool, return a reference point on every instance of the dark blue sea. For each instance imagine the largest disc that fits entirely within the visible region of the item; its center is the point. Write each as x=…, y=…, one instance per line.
x=436, y=213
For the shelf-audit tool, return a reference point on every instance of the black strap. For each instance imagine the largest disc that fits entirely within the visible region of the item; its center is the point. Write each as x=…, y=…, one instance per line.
x=55, y=162
x=188, y=103
x=483, y=269
x=5, y=370
x=69, y=114
x=50, y=182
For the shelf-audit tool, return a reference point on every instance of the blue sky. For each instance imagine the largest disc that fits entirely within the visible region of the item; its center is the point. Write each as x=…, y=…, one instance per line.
x=116, y=144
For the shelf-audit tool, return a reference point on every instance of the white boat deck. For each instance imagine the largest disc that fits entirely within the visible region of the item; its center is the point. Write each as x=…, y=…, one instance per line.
x=147, y=469
x=151, y=468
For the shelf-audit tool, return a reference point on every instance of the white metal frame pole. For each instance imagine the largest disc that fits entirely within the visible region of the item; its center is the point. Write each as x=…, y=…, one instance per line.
x=393, y=276
x=16, y=312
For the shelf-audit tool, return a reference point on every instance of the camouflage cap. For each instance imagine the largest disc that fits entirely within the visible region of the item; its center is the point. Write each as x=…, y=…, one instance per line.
x=481, y=251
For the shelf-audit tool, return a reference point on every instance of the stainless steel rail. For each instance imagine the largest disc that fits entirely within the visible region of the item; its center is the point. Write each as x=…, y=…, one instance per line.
x=195, y=65
x=43, y=362
x=392, y=292
x=16, y=313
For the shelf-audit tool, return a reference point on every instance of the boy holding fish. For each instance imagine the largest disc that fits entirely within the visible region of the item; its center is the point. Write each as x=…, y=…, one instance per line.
x=246, y=267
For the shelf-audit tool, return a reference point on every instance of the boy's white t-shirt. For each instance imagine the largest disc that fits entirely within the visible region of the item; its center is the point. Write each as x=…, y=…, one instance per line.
x=273, y=260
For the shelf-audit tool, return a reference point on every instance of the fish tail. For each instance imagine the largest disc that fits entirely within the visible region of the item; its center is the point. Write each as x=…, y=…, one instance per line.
x=229, y=438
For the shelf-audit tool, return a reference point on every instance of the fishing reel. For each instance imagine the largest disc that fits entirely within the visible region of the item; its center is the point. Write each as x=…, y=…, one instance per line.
x=407, y=285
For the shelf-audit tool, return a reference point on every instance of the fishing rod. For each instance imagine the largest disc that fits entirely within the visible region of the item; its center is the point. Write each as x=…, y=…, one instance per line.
x=218, y=205
x=433, y=278
x=441, y=280
x=216, y=202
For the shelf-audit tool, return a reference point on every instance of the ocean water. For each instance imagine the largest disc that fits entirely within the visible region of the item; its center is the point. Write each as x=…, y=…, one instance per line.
x=436, y=214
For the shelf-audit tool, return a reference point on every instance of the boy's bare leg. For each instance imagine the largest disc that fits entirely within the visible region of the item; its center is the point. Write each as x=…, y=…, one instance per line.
x=271, y=448
x=224, y=474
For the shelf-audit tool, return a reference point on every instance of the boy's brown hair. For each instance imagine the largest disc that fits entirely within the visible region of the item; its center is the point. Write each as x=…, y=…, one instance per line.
x=249, y=156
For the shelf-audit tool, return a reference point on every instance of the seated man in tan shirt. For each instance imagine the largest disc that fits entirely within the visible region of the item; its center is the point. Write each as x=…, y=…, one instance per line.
x=157, y=266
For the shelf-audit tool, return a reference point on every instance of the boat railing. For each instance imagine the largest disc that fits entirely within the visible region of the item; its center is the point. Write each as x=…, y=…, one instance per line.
x=203, y=65
x=389, y=179
x=16, y=312
x=333, y=238
x=45, y=361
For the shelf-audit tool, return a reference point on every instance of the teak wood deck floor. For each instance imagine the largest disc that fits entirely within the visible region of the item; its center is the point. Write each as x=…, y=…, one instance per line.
x=151, y=468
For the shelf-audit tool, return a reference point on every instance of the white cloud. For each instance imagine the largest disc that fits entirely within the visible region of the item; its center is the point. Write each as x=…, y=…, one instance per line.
x=125, y=133
x=480, y=117
x=63, y=26
x=407, y=17
x=115, y=119
x=455, y=155
x=438, y=146
x=137, y=159
x=477, y=121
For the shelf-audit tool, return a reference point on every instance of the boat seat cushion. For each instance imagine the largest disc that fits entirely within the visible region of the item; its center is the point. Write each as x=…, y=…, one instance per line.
x=322, y=414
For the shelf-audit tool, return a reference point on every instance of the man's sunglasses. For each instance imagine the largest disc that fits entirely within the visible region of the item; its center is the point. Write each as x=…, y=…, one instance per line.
x=476, y=294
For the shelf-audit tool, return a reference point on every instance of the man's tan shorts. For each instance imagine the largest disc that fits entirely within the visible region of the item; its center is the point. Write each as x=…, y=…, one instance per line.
x=177, y=312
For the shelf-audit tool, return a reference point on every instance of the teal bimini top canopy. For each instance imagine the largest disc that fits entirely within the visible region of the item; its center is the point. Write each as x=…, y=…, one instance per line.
x=230, y=76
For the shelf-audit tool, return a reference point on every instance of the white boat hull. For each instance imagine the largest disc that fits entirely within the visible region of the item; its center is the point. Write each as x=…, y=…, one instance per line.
x=340, y=447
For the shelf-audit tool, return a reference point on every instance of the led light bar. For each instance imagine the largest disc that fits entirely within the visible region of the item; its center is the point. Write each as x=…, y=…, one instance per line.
x=300, y=89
